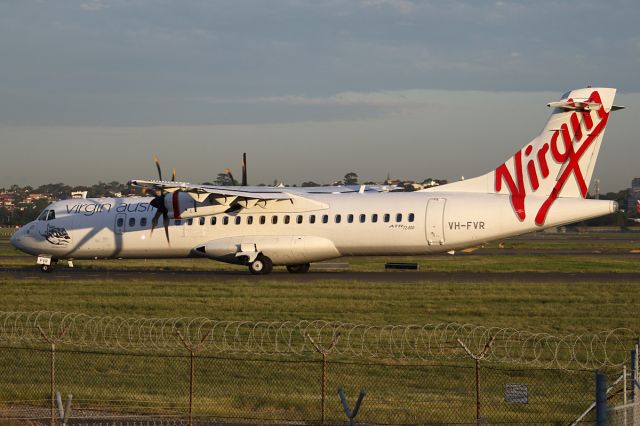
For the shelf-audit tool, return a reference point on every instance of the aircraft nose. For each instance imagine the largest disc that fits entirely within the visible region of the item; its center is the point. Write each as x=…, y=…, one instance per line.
x=15, y=240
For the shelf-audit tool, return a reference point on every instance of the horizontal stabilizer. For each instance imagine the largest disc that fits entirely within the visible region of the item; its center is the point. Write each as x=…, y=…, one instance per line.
x=575, y=105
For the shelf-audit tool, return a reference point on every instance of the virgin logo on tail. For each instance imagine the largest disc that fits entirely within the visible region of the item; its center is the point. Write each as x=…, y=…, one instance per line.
x=561, y=149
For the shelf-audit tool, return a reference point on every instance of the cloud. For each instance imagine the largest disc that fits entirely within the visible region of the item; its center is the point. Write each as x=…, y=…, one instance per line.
x=387, y=99
x=94, y=6
x=401, y=6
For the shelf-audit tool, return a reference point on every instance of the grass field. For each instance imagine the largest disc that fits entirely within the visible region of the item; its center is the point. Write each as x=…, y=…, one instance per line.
x=559, y=308
x=276, y=390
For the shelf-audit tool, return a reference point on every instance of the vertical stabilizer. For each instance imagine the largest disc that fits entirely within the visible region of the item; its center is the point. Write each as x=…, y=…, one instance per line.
x=559, y=162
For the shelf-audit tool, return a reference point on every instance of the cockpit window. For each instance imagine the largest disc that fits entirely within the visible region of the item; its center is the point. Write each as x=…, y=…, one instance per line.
x=47, y=215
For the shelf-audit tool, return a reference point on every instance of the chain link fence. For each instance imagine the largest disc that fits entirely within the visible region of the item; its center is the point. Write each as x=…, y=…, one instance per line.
x=126, y=387
x=136, y=371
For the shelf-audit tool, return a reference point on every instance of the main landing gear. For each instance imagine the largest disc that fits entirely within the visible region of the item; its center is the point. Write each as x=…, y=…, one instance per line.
x=298, y=269
x=262, y=265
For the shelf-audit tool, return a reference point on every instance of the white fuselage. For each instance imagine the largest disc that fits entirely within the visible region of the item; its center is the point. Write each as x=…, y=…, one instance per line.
x=543, y=184
x=394, y=223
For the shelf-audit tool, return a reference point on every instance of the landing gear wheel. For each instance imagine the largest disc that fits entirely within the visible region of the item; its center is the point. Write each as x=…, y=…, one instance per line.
x=298, y=269
x=261, y=266
x=46, y=268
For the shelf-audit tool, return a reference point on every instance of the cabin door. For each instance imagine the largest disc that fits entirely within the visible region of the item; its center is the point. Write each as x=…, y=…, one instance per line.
x=434, y=226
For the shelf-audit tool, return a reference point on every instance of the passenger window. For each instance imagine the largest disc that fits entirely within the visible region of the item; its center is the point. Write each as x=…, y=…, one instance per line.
x=274, y=219
x=325, y=218
x=190, y=221
x=52, y=215
x=263, y=220
x=363, y=218
x=225, y=220
x=143, y=222
x=132, y=222
x=299, y=219
x=374, y=217
x=350, y=218
x=287, y=218
x=202, y=220
x=399, y=217
x=338, y=218
x=249, y=220
x=120, y=222
x=238, y=220
x=411, y=217
x=213, y=220
x=387, y=217
x=312, y=218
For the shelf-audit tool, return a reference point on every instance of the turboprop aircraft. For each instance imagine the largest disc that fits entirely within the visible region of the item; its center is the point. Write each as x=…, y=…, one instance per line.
x=542, y=185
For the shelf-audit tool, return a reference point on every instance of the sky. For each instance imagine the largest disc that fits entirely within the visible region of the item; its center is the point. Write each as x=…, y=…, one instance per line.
x=311, y=90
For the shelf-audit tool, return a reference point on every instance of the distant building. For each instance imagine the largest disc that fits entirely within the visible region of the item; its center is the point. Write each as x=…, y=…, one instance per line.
x=633, y=195
x=6, y=199
x=34, y=197
x=79, y=194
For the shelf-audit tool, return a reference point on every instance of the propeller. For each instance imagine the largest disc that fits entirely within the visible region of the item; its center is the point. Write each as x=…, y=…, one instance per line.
x=158, y=203
x=243, y=164
x=244, y=169
x=157, y=161
x=228, y=172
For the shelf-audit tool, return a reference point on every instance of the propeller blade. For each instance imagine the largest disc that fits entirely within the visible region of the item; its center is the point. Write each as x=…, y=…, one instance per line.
x=165, y=222
x=157, y=161
x=154, y=221
x=244, y=169
x=228, y=172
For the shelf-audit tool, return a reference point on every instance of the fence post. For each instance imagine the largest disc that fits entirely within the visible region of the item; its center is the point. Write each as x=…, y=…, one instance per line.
x=634, y=373
x=193, y=349
x=324, y=352
x=601, y=399
x=52, y=365
x=478, y=357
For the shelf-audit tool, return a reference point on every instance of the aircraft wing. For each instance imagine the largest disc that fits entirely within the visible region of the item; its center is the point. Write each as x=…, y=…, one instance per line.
x=202, y=192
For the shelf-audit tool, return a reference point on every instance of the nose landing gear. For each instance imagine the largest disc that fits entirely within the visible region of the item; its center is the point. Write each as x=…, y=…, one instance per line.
x=47, y=263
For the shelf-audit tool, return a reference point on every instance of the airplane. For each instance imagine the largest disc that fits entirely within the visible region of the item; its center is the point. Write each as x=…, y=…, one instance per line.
x=543, y=185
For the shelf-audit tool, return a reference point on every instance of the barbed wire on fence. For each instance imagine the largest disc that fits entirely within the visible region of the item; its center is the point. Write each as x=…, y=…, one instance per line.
x=438, y=341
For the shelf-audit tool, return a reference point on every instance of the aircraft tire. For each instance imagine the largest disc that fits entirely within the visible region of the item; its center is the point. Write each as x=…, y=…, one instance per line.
x=261, y=266
x=46, y=268
x=298, y=269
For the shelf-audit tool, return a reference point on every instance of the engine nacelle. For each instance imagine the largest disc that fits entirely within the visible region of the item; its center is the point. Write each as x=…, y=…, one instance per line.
x=282, y=250
x=181, y=205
